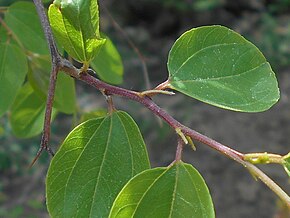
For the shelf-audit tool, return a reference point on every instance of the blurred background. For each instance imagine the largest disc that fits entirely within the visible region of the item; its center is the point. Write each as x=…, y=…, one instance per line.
x=153, y=26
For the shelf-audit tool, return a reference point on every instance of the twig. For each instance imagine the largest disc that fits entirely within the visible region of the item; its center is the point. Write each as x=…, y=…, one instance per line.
x=56, y=60
x=148, y=103
x=178, y=154
x=44, y=145
x=64, y=65
x=55, y=57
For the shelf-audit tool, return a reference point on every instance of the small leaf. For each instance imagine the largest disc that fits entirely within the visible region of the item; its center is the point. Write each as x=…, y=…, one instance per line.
x=27, y=113
x=175, y=191
x=93, y=164
x=23, y=20
x=76, y=27
x=286, y=163
x=108, y=63
x=218, y=66
x=39, y=75
x=13, y=69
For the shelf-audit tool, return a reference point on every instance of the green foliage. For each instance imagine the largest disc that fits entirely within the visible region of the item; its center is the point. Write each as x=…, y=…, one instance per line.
x=23, y=21
x=76, y=27
x=12, y=74
x=93, y=164
x=27, y=113
x=218, y=66
x=102, y=167
x=174, y=191
x=38, y=76
x=108, y=63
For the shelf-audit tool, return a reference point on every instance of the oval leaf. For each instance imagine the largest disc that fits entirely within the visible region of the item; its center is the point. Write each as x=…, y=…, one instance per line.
x=108, y=63
x=13, y=69
x=39, y=75
x=27, y=113
x=22, y=19
x=218, y=66
x=176, y=191
x=76, y=27
x=93, y=164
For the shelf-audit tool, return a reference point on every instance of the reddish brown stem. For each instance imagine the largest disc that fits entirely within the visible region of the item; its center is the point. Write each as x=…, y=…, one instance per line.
x=44, y=145
x=179, y=149
x=147, y=102
x=56, y=60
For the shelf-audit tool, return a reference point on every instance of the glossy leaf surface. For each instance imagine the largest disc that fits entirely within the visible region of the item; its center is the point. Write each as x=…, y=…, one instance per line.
x=108, y=63
x=176, y=191
x=93, y=164
x=27, y=113
x=23, y=20
x=218, y=66
x=76, y=26
x=13, y=69
x=39, y=75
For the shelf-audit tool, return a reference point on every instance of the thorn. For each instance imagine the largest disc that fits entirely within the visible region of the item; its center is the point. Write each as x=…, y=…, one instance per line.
x=36, y=157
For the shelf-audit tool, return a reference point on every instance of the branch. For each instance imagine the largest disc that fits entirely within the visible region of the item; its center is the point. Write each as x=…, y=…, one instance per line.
x=64, y=65
x=148, y=103
x=179, y=149
x=55, y=59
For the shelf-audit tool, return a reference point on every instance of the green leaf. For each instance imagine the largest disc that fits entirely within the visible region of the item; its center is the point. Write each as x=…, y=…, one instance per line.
x=286, y=163
x=108, y=63
x=218, y=66
x=27, y=113
x=175, y=191
x=13, y=69
x=39, y=75
x=76, y=26
x=93, y=164
x=23, y=21
x=4, y=35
